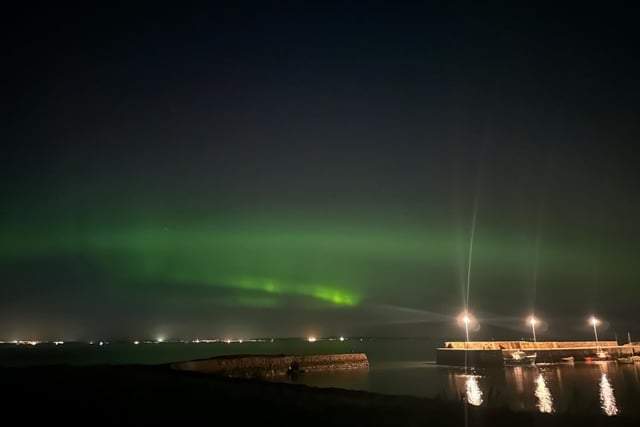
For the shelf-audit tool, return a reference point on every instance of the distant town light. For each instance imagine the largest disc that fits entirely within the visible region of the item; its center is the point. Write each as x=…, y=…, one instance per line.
x=311, y=339
x=28, y=342
x=341, y=338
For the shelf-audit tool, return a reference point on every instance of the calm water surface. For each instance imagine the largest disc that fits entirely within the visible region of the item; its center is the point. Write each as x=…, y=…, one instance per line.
x=397, y=366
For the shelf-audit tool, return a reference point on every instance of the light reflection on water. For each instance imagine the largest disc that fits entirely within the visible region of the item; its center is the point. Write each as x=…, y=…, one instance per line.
x=607, y=399
x=545, y=400
x=473, y=392
x=577, y=388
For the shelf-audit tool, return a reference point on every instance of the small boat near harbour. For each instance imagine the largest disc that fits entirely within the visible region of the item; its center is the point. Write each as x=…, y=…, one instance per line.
x=628, y=360
x=634, y=358
x=520, y=357
x=601, y=356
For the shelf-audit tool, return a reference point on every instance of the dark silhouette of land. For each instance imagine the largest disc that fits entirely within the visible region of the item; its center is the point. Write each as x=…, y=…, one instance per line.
x=158, y=394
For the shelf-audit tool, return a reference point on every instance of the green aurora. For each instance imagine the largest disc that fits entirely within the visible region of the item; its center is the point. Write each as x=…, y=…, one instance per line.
x=337, y=265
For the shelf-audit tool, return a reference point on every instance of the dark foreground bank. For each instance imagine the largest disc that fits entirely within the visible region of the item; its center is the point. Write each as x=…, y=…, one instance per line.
x=149, y=394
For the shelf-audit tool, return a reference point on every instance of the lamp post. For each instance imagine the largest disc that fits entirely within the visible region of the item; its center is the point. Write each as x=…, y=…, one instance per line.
x=465, y=318
x=466, y=321
x=533, y=322
x=595, y=322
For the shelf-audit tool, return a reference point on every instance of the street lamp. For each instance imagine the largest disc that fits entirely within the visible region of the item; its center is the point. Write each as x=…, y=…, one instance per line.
x=533, y=322
x=466, y=321
x=595, y=322
x=465, y=318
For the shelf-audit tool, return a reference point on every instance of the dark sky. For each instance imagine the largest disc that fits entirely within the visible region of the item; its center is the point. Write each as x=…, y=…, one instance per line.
x=284, y=169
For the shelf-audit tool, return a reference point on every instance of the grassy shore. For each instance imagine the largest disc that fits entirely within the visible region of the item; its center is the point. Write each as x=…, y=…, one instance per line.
x=157, y=394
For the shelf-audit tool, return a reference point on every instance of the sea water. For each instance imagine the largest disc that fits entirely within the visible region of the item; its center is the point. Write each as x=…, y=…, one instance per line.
x=397, y=366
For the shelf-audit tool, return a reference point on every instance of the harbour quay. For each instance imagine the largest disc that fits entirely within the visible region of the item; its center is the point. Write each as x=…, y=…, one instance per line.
x=495, y=353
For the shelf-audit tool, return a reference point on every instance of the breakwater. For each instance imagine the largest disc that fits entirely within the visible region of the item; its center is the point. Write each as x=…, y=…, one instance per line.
x=493, y=353
x=257, y=366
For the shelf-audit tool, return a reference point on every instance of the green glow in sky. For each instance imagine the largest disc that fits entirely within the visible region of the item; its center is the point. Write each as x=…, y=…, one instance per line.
x=322, y=292
x=260, y=266
x=265, y=269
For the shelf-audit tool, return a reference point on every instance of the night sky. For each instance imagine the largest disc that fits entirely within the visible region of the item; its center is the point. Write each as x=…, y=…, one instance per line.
x=285, y=169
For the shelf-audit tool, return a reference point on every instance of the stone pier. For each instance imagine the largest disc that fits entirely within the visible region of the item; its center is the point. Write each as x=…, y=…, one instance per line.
x=257, y=366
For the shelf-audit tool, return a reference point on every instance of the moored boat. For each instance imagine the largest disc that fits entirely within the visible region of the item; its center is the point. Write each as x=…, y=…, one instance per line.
x=601, y=356
x=628, y=360
x=520, y=357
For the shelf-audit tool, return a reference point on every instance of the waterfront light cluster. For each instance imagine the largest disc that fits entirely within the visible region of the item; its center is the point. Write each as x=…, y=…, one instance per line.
x=22, y=342
x=160, y=340
x=465, y=319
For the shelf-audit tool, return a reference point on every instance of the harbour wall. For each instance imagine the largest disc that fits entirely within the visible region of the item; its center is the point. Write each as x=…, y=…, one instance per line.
x=493, y=353
x=527, y=345
x=257, y=366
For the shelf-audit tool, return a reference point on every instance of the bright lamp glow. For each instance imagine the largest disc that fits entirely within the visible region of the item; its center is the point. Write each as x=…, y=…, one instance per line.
x=464, y=320
x=595, y=322
x=533, y=321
